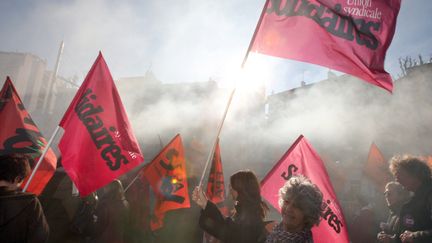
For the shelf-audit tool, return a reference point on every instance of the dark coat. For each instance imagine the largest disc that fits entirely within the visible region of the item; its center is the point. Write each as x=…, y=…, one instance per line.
x=21, y=217
x=246, y=227
x=112, y=220
x=60, y=206
x=364, y=227
x=391, y=227
x=416, y=215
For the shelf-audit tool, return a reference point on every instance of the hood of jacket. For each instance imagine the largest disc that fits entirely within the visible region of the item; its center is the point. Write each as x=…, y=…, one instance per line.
x=12, y=204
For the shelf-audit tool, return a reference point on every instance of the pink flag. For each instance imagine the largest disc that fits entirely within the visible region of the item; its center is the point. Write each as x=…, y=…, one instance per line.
x=345, y=35
x=302, y=159
x=98, y=144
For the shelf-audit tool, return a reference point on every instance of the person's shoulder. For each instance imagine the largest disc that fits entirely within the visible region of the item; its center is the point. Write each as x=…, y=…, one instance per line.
x=19, y=202
x=18, y=195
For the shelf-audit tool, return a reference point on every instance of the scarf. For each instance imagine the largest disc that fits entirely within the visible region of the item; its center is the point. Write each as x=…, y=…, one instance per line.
x=279, y=235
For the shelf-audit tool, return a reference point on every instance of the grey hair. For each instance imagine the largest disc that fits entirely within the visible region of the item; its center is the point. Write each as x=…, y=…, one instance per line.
x=305, y=196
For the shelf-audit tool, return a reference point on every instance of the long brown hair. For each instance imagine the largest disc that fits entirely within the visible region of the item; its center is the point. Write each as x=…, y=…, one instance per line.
x=247, y=186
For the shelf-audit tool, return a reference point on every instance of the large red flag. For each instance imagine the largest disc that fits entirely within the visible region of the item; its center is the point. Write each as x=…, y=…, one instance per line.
x=167, y=176
x=344, y=35
x=20, y=135
x=377, y=169
x=98, y=144
x=302, y=159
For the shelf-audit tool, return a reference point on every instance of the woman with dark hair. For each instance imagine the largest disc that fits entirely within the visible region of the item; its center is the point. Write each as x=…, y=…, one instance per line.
x=21, y=216
x=301, y=207
x=247, y=223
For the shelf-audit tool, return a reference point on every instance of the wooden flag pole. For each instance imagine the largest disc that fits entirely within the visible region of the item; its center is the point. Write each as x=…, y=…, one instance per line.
x=48, y=145
x=232, y=94
x=210, y=156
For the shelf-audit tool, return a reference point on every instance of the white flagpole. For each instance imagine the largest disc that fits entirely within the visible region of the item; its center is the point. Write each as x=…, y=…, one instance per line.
x=41, y=158
x=210, y=156
x=133, y=181
x=232, y=94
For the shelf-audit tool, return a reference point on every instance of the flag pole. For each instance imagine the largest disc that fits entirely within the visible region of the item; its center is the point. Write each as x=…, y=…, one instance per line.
x=210, y=156
x=133, y=181
x=160, y=142
x=138, y=174
x=41, y=158
x=254, y=34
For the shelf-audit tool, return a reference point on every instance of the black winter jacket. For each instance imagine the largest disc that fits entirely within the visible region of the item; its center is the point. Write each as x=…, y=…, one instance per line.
x=244, y=228
x=21, y=218
x=416, y=215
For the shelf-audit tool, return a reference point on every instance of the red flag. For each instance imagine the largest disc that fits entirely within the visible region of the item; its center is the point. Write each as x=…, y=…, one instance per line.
x=167, y=176
x=348, y=36
x=302, y=159
x=377, y=169
x=20, y=135
x=216, y=188
x=98, y=144
x=216, y=182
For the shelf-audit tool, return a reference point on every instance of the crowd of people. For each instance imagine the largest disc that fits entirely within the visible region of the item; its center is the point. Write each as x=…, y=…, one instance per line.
x=106, y=216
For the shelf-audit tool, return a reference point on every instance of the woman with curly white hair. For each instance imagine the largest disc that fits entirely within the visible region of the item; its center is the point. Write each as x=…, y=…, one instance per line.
x=301, y=207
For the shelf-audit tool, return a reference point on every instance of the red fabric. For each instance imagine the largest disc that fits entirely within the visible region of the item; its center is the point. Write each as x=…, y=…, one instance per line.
x=302, y=159
x=216, y=183
x=20, y=135
x=331, y=33
x=377, y=169
x=98, y=144
x=167, y=177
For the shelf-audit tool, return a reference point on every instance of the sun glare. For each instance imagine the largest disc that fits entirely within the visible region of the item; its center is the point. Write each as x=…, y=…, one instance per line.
x=251, y=78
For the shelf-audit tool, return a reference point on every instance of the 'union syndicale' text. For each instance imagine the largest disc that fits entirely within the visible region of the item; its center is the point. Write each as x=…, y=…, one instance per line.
x=331, y=20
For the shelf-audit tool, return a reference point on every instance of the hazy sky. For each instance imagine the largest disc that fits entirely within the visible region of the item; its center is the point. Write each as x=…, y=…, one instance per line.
x=182, y=41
